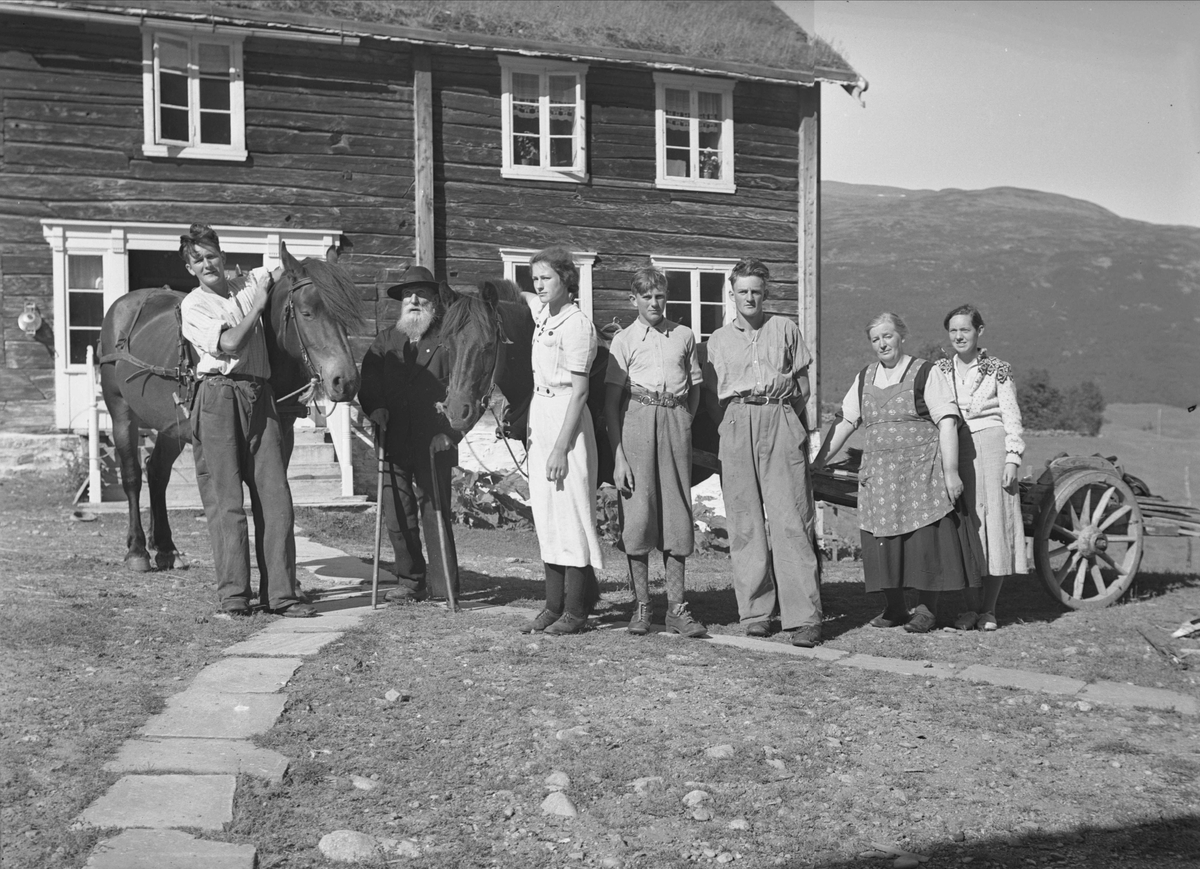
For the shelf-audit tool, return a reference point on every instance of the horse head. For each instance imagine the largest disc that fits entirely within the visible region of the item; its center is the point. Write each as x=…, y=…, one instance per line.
x=474, y=339
x=314, y=307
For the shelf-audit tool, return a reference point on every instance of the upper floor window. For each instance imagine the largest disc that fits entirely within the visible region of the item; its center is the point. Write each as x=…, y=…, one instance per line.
x=694, y=118
x=193, y=97
x=698, y=292
x=543, y=119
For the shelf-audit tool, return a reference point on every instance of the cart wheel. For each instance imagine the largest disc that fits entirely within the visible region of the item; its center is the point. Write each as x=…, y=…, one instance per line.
x=1089, y=539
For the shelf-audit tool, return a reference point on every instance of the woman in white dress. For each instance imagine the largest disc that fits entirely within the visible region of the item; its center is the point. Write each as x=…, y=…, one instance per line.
x=990, y=450
x=562, y=447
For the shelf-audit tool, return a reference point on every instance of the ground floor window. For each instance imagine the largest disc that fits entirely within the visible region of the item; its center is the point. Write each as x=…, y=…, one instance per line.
x=96, y=262
x=698, y=292
x=517, y=270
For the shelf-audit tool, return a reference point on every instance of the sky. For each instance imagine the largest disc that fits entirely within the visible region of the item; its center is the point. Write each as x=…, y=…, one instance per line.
x=1095, y=100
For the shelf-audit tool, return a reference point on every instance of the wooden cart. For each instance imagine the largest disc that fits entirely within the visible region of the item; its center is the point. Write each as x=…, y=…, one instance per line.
x=1088, y=520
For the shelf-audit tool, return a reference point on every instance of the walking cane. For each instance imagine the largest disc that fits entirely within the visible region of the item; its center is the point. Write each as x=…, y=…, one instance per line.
x=443, y=544
x=379, y=433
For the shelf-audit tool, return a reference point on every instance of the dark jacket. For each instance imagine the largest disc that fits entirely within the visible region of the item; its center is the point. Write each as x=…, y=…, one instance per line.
x=409, y=380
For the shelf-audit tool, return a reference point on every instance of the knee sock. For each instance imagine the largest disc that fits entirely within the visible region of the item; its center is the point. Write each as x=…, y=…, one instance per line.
x=991, y=593
x=554, y=588
x=675, y=573
x=974, y=599
x=592, y=585
x=929, y=600
x=639, y=577
x=895, y=609
x=576, y=598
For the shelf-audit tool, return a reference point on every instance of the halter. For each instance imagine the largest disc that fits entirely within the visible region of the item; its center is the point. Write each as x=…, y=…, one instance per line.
x=486, y=398
x=289, y=317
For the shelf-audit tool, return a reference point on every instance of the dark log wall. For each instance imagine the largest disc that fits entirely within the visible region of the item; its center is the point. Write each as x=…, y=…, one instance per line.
x=329, y=132
x=619, y=213
x=328, y=128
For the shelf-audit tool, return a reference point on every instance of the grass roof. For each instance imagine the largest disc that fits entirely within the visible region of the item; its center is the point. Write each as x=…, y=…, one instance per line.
x=753, y=32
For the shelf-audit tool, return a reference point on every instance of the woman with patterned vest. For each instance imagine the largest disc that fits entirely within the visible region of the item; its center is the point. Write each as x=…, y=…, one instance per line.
x=989, y=453
x=915, y=532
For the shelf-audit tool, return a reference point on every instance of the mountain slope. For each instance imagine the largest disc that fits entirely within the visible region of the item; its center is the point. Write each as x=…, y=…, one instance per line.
x=1063, y=284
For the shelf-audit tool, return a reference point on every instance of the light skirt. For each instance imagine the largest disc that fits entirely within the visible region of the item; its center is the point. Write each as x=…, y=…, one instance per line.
x=995, y=513
x=564, y=513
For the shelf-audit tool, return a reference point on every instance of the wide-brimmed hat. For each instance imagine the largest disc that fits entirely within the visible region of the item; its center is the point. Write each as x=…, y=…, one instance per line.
x=414, y=279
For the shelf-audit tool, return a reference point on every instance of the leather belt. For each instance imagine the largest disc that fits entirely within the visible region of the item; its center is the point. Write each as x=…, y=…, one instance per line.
x=758, y=399
x=660, y=399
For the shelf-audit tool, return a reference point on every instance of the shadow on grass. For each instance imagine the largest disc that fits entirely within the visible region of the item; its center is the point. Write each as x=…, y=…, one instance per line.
x=1161, y=844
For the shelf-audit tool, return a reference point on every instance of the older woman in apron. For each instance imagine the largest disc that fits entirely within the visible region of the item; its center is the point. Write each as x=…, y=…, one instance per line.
x=562, y=448
x=913, y=533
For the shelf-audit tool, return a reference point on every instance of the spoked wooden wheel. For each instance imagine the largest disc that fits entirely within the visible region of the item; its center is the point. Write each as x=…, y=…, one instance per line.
x=1089, y=539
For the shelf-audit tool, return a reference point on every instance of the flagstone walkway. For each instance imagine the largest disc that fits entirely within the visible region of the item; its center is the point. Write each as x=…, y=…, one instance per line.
x=180, y=770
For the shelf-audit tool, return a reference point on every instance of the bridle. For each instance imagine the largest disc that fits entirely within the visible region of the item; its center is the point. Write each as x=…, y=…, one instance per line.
x=290, y=318
x=486, y=398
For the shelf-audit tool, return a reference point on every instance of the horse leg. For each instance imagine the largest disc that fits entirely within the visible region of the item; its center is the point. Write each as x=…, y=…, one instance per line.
x=158, y=475
x=125, y=437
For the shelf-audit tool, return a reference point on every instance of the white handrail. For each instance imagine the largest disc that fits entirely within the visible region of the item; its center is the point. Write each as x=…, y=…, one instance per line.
x=93, y=414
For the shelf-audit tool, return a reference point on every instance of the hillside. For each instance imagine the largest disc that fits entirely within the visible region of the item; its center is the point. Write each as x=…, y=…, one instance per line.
x=1063, y=284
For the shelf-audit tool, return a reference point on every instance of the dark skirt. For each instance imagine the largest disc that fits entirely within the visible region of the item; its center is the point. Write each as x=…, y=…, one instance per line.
x=938, y=557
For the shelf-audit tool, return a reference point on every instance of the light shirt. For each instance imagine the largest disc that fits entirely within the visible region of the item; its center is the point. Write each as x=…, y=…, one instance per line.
x=562, y=344
x=939, y=392
x=205, y=315
x=658, y=358
x=764, y=361
x=987, y=396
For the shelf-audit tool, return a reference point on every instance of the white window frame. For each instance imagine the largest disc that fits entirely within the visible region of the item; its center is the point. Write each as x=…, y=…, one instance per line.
x=584, y=260
x=696, y=265
x=543, y=69
x=153, y=144
x=694, y=84
x=112, y=241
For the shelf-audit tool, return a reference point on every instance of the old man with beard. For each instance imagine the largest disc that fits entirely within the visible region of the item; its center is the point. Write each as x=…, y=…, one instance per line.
x=404, y=376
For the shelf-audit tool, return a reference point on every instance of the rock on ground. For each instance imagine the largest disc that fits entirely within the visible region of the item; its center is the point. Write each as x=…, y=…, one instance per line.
x=720, y=752
x=349, y=846
x=558, y=780
x=559, y=804
x=695, y=798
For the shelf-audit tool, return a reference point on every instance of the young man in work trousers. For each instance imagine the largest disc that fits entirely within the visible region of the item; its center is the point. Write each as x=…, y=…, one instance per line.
x=236, y=433
x=756, y=378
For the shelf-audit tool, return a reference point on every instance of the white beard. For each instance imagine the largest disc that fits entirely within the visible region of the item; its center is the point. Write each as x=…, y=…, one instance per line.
x=415, y=324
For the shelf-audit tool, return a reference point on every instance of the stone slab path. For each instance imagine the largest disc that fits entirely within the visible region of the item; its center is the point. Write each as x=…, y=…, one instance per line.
x=181, y=770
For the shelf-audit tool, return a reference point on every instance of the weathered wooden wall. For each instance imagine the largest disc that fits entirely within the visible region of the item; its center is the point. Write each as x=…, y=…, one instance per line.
x=328, y=128
x=619, y=213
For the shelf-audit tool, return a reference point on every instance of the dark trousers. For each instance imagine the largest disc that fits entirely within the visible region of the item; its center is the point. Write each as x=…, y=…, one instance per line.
x=407, y=509
x=236, y=440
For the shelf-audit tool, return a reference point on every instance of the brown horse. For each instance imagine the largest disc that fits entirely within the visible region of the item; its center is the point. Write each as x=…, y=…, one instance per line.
x=490, y=343
x=147, y=378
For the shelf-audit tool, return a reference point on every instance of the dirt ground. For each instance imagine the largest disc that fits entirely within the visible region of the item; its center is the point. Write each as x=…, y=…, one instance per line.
x=800, y=763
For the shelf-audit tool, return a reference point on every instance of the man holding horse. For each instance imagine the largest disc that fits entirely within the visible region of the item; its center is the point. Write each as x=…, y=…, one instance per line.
x=236, y=435
x=404, y=379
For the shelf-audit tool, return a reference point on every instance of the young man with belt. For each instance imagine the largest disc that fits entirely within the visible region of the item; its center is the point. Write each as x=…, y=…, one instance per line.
x=236, y=435
x=652, y=391
x=756, y=376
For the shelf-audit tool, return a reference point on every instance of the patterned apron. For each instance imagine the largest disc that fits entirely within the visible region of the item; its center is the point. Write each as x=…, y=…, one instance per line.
x=901, y=484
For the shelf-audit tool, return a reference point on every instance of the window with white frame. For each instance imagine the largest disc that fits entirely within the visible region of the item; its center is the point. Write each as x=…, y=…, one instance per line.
x=85, y=304
x=698, y=292
x=518, y=270
x=193, y=95
x=543, y=123
x=694, y=119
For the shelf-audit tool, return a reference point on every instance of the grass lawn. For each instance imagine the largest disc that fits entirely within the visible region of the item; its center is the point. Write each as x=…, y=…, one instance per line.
x=823, y=761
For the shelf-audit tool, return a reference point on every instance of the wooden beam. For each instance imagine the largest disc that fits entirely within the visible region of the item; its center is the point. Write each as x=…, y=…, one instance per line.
x=808, y=254
x=423, y=158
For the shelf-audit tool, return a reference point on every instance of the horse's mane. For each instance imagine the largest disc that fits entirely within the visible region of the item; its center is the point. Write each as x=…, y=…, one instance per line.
x=338, y=293
x=465, y=311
